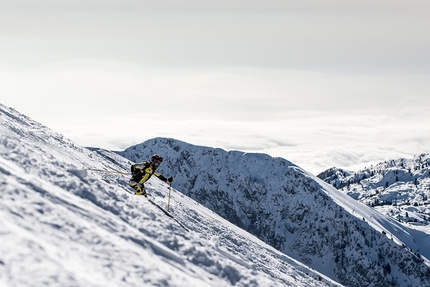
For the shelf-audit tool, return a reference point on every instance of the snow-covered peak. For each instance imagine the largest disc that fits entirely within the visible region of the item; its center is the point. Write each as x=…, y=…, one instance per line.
x=399, y=188
x=61, y=225
x=294, y=212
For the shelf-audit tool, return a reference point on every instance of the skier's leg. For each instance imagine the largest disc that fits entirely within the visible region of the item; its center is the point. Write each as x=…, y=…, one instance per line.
x=140, y=188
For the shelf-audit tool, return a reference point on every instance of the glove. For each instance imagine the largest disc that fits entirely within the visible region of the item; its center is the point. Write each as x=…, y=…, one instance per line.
x=170, y=179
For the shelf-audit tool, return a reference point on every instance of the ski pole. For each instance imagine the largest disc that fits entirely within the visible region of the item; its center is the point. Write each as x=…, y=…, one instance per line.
x=104, y=170
x=168, y=202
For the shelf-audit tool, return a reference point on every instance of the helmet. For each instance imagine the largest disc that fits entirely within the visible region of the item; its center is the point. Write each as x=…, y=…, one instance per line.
x=157, y=158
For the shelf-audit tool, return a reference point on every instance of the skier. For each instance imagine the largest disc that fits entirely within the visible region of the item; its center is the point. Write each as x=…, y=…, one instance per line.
x=142, y=171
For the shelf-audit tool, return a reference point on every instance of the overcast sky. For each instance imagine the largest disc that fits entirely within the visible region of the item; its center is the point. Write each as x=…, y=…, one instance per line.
x=320, y=83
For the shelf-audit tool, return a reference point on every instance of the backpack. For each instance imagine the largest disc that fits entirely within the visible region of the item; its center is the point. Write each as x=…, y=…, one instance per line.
x=135, y=169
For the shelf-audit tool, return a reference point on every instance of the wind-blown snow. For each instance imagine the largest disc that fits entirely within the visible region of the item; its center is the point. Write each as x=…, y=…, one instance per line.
x=64, y=226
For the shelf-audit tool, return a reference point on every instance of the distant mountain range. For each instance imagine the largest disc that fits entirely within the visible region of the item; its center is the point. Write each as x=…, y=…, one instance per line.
x=295, y=212
x=399, y=188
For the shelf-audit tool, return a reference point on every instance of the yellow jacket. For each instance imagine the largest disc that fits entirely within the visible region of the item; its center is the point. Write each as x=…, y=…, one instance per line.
x=142, y=171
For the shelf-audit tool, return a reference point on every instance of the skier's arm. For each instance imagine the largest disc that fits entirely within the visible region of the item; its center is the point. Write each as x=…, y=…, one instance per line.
x=163, y=178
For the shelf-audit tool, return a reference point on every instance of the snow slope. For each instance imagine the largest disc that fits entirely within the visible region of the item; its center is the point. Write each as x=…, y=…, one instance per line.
x=295, y=212
x=61, y=225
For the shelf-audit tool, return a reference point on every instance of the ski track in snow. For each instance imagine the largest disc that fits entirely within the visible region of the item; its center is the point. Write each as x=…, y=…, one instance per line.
x=62, y=226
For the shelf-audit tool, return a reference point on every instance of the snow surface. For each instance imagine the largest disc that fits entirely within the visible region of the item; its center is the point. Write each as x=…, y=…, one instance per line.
x=61, y=225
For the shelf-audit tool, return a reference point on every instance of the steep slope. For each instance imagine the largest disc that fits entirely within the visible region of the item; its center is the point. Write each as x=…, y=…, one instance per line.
x=294, y=212
x=64, y=226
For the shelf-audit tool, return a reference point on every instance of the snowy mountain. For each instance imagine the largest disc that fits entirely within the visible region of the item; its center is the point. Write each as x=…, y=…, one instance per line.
x=61, y=225
x=399, y=188
x=296, y=213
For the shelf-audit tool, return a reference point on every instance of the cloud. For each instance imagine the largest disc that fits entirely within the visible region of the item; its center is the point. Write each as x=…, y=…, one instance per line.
x=314, y=143
x=90, y=87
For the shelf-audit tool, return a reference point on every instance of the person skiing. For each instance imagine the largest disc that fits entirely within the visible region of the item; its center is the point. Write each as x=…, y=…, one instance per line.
x=142, y=171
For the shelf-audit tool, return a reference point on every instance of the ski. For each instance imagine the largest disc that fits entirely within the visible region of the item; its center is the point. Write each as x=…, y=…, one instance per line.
x=167, y=213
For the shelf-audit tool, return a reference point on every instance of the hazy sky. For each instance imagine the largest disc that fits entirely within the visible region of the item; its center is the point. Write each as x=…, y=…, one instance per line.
x=320, y=83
